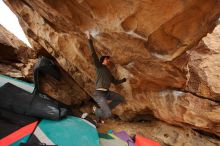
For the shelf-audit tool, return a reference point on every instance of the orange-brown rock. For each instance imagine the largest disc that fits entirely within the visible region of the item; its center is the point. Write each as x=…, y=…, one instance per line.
x=204, y=67
x=16, y=58
x=148, y=42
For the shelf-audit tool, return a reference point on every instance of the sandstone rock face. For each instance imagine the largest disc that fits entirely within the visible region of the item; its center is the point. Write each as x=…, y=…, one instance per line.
x=16, y=59
x=204, y=67
x=152, y=44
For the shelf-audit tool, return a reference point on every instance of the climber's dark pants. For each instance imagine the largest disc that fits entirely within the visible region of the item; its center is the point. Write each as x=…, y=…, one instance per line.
x=102, y=98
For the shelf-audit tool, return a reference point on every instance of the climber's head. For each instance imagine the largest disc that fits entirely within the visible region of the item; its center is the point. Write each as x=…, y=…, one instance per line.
x=105, y=60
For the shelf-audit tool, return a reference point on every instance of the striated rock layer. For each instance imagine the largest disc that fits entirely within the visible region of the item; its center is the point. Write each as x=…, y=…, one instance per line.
x=152, y=44
x=204, y=67
x=16, y=59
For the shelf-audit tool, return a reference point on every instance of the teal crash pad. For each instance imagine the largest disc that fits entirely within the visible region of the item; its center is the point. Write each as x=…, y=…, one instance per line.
x=24, y=85
x=71, y=131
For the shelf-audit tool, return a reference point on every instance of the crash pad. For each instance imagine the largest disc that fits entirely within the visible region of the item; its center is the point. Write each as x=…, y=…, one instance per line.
x=142, y=141
x=20, y=135
x=125, y=137
x=71, y=131
x=24, y=85
x=111, y=140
